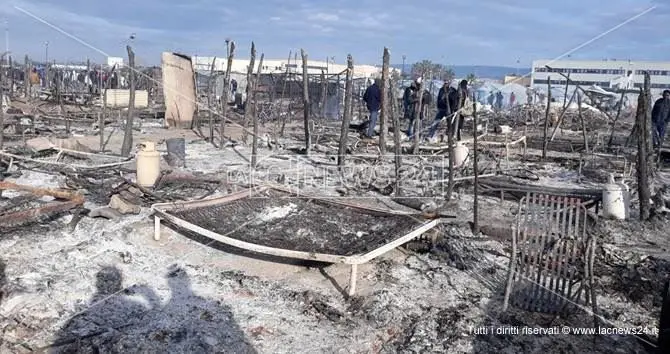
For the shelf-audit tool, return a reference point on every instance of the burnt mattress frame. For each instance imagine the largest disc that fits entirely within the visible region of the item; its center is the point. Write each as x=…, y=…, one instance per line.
x=162, y=211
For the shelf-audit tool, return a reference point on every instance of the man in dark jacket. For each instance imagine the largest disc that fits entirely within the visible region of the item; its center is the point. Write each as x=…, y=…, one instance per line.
x=406, y=100
x=442, y=108
x=373, y=99
x=456, y=100
x=660, y=116
x=412, y=102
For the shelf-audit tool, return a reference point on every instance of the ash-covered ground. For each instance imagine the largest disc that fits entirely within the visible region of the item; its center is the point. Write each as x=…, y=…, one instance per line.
x=108, y=287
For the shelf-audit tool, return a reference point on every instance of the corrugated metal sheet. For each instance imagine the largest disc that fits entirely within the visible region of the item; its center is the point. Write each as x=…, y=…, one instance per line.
x=121, y=98
x=178, y=89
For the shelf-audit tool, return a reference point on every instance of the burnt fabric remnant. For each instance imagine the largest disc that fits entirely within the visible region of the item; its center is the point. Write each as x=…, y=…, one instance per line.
x=300, y=224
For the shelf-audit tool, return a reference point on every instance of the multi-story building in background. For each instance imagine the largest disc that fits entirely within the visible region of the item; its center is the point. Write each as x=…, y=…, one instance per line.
x=607, y=74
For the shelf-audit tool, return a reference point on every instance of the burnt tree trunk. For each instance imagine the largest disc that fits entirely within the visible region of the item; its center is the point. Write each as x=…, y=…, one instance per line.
x=618, y=115
x=305, y=101
x=348, y=93
x=642, y=119
x=254, y=146
x=224, y=95
x=546, y=120
x=210, y=88
x=128, y=136
x=11, y=77
x=247, y=106
x=283, y=91
x=385, y=106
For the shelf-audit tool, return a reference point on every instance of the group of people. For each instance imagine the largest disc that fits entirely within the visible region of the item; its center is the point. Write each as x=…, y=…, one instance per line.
x=449, y=101
x=496, y=99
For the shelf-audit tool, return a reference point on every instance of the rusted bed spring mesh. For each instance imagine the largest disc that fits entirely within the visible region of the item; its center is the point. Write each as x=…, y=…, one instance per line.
x=552, y=255
x=299, y=224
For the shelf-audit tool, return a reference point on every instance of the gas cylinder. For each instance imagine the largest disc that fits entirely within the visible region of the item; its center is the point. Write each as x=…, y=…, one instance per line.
x=460, y=154
x=615, y=200
x=148, y=164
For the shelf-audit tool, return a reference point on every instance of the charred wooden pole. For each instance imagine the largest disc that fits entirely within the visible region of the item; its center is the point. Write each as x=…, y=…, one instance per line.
x=11, y=77
x=475, y=208
x=26, y=77
x=385, y=106
x=254, y=147
x=103, y=114
x=618, y=115
x=224, y=96
x=642, y=119
x=247, y=107
x=128, y=136
x=450, y=142
x=581, y=120
x=418, y=110
x=305, y=101
x=210, y=87
x=2, y=112
x=348, y=93
x=396, y=141
x=324, y=87
x=283, y=91
x=545, y=141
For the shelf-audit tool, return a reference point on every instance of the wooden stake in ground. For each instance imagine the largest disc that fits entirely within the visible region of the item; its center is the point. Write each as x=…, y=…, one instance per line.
x=11, y=77
x=26, y=80
x=128, y=135
x=254, y=147
x=210, y=88
x=247, y=106
x=581, y=119
x=642, y=119
x=224, y=96
x=2, y=112
x=283, y=91
x=450, y=143
x=305, y=101
x=418, y=110
x=618, y=114
x=396, y=141
x=324, y=88
x=385, y=95
x=475, y=208
x=344, y=131
x=546, y=120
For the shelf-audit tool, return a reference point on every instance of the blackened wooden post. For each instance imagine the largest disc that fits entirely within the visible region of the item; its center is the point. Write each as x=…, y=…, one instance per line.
x=348, y=93
x=248, y=107
x=417, y=119
x=283, y=91
x=581, y=119
x=546, y=120
x=210, y=88
x=642, y=119
x=305, y=101
x=475, y=208
x=396, y=141
x=26, y=81
x=224, y=97
x=454, y=116
x=324, y=89
x=128, y=136
x=385, y=95
x=2, y=112
x=254, y=147
x=11, y=77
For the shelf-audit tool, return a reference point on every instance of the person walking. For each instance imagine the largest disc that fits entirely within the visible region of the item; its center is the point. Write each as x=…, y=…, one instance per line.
x=443, y=109
x=412, y=100
x=660, y=116
x=373, y=99
x=456, y=101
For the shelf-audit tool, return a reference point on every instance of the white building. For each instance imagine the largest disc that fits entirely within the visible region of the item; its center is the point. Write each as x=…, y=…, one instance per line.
x=274, y=66
x=118, y=61
x=612, y=74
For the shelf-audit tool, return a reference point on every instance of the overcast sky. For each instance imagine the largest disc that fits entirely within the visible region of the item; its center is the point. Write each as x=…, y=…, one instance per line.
x=481, y=32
